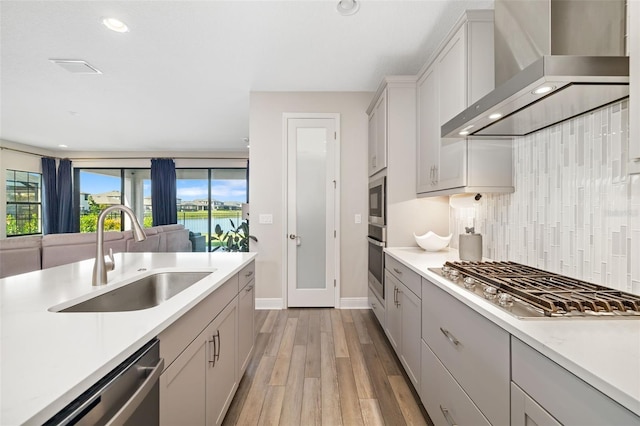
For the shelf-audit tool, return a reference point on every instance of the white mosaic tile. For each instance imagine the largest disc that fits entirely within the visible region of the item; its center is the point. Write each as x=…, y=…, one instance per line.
x=575, y=210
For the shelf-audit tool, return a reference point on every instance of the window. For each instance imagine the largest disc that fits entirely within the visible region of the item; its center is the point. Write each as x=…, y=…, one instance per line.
x=205, y=198
x=24, y=203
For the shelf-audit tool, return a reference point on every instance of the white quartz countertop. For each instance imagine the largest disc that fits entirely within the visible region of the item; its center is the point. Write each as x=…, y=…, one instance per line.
x=49, y=358
x=603, y=352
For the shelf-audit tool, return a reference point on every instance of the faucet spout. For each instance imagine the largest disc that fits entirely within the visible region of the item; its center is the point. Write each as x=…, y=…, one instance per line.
x=100, y=267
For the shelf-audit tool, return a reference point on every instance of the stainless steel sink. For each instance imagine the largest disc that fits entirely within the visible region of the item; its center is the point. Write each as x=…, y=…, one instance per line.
x=143, y=293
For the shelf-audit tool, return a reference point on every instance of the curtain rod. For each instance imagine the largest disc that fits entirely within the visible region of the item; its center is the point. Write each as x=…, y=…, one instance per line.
x=118, y=158
x=28, y=152
x=150, y=157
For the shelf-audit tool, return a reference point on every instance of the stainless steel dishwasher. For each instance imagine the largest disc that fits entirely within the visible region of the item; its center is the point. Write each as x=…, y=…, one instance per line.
x=128, y=395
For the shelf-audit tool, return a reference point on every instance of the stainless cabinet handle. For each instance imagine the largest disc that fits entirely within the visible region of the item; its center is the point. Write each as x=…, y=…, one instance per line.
x=398, y=298
x=212, y=352
x=249, y=288
x=248, y=274
x=216, y=355
x=447, y=416
x=450, y=336
x=136, y=399
x=397, y=271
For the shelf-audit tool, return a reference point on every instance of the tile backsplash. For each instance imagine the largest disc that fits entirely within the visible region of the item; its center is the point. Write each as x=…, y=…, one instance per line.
x=575, y=211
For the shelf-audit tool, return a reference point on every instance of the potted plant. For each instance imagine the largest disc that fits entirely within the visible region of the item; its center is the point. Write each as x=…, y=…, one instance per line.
x=236, y=239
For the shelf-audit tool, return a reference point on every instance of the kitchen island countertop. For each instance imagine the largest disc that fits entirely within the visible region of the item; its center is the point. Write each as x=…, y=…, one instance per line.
x=49, y=358
x=603, y=352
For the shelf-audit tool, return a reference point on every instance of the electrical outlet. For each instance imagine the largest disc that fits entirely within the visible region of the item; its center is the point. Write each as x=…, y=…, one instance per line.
x=358, y=218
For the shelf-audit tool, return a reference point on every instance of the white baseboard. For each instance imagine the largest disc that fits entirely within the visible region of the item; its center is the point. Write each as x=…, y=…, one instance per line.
x=345, y=303
x=354, y=303
x=269, y=303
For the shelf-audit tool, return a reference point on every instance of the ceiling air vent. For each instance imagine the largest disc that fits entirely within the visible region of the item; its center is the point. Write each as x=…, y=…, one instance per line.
x=76, y=66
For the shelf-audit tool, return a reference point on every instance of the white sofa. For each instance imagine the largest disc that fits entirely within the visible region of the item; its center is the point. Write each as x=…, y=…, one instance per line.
x=25, y=254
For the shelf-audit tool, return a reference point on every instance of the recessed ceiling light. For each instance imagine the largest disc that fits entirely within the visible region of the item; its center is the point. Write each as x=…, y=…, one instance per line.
x=495, y=116
x=464, y=133
x=115, y=25
x=347, y=7
x=62, y=146
x=542, y=90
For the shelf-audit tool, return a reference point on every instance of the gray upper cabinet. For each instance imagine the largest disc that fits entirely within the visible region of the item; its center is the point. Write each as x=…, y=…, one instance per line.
x=460, y=73
x=378, y=135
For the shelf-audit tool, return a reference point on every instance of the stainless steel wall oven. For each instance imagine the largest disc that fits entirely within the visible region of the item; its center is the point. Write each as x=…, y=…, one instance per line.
x=376, y=236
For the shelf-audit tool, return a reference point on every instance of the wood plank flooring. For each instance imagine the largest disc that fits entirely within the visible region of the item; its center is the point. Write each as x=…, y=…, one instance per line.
x=323, y=367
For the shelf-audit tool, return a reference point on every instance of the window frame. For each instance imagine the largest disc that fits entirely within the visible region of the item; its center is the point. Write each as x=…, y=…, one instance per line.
x=23, y=203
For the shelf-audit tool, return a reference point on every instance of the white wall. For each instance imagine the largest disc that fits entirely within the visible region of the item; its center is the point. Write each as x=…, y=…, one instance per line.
x=266, y=183
x=576, y=209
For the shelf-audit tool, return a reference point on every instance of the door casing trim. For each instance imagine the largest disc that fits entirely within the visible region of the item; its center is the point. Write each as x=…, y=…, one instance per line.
x=285, y=220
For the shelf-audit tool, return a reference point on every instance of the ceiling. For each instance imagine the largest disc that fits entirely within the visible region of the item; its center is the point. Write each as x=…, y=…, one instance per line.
x=180, y=79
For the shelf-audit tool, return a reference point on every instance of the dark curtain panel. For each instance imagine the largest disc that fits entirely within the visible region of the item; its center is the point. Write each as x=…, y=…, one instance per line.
x=49, y=197
x=163, y=191
x=66, y=220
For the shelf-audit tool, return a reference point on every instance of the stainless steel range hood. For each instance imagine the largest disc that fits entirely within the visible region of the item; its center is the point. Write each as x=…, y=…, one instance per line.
x=573, y=47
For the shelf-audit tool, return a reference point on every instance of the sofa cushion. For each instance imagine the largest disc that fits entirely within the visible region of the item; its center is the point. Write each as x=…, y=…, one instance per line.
x=60, y=249
x=19, y=255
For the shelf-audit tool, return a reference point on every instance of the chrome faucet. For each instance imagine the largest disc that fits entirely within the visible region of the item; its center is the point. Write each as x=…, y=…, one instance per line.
x=101, y=266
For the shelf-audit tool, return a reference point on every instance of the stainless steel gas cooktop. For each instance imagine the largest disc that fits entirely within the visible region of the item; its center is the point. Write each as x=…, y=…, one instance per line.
x=528, y=292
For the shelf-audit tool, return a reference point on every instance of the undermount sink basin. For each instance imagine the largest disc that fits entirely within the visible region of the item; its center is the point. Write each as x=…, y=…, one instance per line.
x=146, y=292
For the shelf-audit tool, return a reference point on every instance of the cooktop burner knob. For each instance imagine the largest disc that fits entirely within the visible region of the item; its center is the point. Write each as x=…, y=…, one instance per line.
x=490, y=292
x=469, y=282
x=455, y=274
x=505, y=300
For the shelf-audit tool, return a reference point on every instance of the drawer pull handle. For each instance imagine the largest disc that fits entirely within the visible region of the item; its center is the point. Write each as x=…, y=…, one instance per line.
x=397, y=271
x=249, y=288
x=450, y=336
x=248, y=274
x=447, y=415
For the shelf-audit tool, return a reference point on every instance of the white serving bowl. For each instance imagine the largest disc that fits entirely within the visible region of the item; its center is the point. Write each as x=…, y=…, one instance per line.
x=432, y=242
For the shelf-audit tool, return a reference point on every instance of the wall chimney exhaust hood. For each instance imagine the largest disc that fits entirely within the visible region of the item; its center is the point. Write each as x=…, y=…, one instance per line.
x=555, y=60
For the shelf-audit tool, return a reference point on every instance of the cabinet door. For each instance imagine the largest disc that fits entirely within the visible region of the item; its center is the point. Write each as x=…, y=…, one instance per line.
x=393, y=310
x=411, y=309
x=183, y=386
x=381, y=132
x=428, y=130
x=452, y=65
x=246, y=333
x=221, y=363
x=373, y=155
x=526, y=412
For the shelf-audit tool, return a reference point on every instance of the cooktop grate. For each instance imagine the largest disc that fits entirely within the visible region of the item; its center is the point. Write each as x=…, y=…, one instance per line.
x=553, y=294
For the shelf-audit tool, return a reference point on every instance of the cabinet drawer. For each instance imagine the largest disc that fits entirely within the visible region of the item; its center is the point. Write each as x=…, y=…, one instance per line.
x=246, y=274
x=473, y=349
x=404, y=274
x=565, y=396
x=443, y=398
x=377, y=307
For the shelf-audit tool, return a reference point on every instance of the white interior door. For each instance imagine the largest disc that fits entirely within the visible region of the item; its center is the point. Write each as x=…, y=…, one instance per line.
x=311, y=212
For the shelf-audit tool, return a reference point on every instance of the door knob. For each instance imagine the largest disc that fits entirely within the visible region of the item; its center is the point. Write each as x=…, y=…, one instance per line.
x=292, y=236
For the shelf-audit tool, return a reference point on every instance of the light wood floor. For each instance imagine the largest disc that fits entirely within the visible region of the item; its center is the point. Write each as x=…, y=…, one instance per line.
x=323, y=367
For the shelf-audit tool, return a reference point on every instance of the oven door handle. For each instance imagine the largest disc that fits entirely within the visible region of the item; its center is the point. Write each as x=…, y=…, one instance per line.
x=375, y=242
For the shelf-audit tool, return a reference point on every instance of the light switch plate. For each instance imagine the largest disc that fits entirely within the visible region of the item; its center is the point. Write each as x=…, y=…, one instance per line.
x=358, y=218
x=266, y=219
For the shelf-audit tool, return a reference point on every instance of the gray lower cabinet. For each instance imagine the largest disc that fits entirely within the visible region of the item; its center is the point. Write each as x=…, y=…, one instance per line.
x=403, y=306
x=550, y=390
x=525, y=411
x=474, y=353
x=206, y=352
x=246, y=330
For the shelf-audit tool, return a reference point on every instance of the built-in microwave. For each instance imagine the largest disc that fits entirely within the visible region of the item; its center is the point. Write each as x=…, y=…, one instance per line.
x=377, y=204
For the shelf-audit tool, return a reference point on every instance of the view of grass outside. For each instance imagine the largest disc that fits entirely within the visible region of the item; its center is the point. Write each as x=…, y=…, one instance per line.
x=24, y=208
